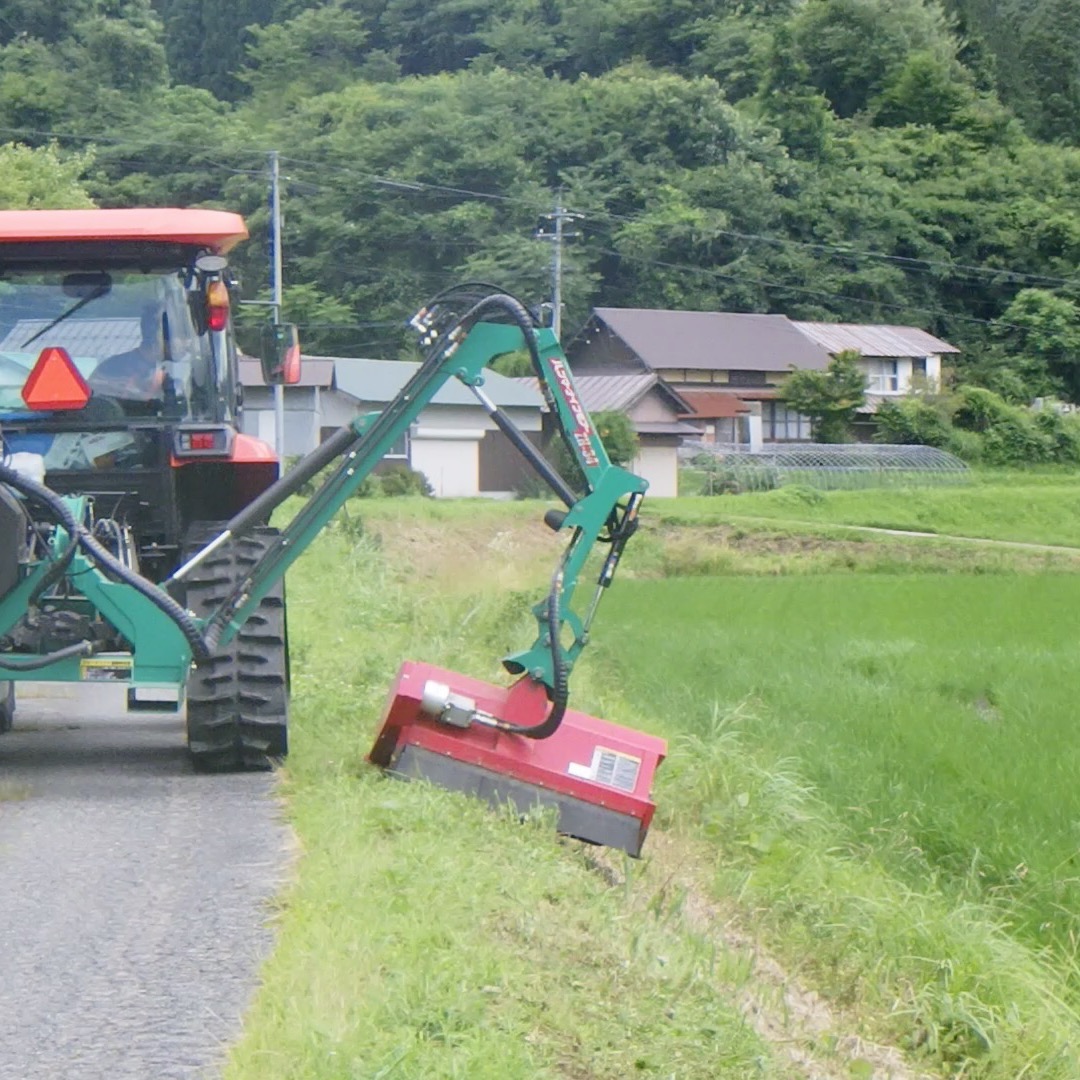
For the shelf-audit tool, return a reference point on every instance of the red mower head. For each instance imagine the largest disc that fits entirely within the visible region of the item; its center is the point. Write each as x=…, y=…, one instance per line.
x=596, y=775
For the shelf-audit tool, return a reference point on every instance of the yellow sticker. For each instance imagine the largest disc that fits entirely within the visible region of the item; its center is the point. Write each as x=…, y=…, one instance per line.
x=105, y=669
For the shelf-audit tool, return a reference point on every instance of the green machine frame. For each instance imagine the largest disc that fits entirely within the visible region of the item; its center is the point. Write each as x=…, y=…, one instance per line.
x=165, y=640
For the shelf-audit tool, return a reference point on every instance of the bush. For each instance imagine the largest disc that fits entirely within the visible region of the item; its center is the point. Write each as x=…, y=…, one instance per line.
x=619, y=440
x=913, y=421
x=1015, y=439
x=979, y=409
x=1063, y=433
x=966, y=445
x=401, y=480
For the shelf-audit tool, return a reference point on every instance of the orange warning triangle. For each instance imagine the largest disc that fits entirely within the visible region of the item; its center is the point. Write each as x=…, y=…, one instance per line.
x=55, y=382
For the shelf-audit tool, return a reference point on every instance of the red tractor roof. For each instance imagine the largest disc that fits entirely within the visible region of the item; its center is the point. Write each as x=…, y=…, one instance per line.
x=217, y=230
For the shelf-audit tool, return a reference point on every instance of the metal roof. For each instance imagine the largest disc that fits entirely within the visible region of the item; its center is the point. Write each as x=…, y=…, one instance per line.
x=378, y=381
x=218, y=230
x=314, y=371
x=707, y=340
x=618, y=393
x=874, y=340
x=682, y=428
x=81, y=337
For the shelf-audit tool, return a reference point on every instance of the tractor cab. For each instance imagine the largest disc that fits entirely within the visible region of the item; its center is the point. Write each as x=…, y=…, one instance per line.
x=118, y=366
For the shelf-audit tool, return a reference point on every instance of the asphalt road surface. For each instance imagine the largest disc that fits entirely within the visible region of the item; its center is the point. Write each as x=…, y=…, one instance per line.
x=134, y=893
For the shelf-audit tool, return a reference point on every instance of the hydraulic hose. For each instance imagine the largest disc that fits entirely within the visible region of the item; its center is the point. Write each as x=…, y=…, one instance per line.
x=35, y=663
x=560, y=692
x=105, y=559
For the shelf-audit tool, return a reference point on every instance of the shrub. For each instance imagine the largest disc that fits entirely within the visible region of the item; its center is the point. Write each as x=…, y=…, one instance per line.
x=913, y=421
x=1015, y=439
x=401, y=480
x=1063, y=434
x=966, y=445
x=979, y=409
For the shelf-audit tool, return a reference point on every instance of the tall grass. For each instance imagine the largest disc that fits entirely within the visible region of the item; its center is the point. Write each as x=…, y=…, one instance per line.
x=936, y=713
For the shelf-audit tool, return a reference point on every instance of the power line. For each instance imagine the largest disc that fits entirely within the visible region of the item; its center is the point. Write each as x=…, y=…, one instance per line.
x=405, y=185
x=709, y=272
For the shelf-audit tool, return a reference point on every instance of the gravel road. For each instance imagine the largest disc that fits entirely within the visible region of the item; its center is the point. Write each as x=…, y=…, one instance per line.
x=134, y=893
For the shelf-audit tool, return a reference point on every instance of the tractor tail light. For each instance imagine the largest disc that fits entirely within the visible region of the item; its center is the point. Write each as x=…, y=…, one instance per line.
x=217, y=305
x=202, y=442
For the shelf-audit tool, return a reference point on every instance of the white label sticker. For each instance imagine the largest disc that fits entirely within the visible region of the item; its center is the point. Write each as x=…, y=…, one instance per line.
x=616, y=770
x=582, y=772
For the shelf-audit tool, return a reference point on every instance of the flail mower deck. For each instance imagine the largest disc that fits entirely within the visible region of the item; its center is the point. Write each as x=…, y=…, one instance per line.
x=450, y=730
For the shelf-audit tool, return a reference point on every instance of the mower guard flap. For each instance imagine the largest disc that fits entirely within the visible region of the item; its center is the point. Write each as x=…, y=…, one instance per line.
x=597, y=776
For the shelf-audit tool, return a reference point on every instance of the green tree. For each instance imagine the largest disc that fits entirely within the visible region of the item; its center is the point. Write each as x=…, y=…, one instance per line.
x=1042, y=329
x=830, y=398
x=317, y=51
x=853, y=47
x=43, y=179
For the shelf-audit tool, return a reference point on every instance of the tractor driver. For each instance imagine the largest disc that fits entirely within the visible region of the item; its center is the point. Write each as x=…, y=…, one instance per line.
x=139, y=373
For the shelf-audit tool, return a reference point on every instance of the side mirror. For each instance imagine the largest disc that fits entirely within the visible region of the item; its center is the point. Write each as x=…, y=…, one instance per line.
x=280, y=354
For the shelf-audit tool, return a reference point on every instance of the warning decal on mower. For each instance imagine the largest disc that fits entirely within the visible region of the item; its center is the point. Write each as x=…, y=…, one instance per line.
x=105, y=669
x=610, y=768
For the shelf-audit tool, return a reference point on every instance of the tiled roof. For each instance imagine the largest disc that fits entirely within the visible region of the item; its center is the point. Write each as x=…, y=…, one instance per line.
x=714, y=404
x=705, y=340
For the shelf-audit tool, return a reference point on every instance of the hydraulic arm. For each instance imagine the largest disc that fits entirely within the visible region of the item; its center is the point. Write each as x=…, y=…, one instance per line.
x=461, y=347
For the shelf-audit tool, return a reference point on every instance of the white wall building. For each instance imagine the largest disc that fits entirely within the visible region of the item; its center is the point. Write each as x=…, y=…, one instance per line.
x=453, y=442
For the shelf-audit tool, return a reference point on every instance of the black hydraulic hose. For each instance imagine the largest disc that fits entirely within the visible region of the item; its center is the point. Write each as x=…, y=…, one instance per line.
x=105, y=559
x=35, y=663
x=560, y=693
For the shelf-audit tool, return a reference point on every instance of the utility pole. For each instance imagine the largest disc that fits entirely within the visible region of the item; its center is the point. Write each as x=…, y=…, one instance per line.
x=275, y=284
x=551, y=228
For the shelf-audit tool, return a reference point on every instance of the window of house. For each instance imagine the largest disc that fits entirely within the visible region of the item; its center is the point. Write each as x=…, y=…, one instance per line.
x=747, y=378
x=918, y=366
x=883, y=376
x=781, y=424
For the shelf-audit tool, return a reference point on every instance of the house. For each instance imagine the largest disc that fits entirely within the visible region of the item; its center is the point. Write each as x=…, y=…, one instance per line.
x=893, y=358
x=654, y=409
x=731, y=365
x=453, y=442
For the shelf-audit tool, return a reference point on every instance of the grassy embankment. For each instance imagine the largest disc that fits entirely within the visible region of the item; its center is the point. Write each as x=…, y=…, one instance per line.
x=856, y=758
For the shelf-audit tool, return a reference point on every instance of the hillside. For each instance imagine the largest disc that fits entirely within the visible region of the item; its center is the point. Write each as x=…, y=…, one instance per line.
x=837, y=159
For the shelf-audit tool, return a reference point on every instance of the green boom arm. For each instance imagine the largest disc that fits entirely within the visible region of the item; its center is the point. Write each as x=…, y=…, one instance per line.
x=606, y=512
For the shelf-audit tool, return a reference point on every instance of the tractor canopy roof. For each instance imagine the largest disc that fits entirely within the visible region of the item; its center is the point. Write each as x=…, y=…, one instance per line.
x=217, y=230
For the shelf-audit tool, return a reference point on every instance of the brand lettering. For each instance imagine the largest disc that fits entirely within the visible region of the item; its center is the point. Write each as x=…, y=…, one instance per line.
x=582, y=435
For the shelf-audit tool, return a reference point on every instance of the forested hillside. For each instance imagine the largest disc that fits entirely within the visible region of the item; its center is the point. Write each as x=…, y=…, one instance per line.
x=867, y=160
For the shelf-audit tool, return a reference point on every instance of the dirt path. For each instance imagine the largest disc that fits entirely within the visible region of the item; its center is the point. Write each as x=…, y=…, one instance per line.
x=135, y=893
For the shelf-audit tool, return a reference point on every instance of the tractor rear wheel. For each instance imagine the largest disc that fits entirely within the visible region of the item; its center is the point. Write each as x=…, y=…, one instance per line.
x=7, y=706
x=237, y=698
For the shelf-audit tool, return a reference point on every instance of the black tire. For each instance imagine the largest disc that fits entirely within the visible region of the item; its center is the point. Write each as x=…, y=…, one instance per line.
x=7, y=706
x=237, y=698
